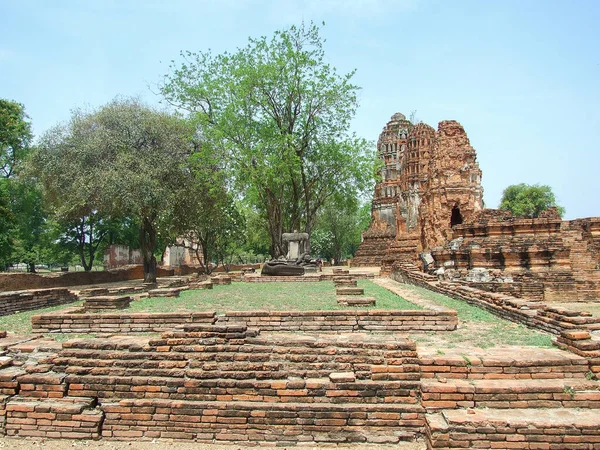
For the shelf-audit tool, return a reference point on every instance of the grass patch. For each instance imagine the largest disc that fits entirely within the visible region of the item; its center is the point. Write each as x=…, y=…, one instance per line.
x=477, y=326
x=20, y=323
x=278, y=296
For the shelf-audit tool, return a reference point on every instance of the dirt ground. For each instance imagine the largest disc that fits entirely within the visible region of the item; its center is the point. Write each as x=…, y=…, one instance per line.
x=64, y=444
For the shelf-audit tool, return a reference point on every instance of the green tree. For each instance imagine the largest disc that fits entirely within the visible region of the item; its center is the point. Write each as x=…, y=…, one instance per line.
x=210, y=216
x=31, y=242
x=339, y=229
x=15, y=136
x=525, y=200
x=124, y=160
x=7, y=224
x=19, y=225
x=280, y=114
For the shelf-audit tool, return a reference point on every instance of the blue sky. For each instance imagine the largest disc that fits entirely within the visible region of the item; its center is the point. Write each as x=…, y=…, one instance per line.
x=522, y=76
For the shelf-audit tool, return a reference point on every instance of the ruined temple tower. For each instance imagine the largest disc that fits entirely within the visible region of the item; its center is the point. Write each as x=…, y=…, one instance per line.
x=429, y=181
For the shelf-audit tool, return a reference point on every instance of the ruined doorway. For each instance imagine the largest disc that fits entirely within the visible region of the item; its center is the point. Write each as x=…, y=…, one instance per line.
x=456, y=218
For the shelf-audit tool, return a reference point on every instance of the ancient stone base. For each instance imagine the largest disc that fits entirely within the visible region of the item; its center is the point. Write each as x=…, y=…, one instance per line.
x=349, y=291
x=167, y=292
x=221, y=280
x=355, y=300
x=201, y=285
x=102, y=302
x=518, y=429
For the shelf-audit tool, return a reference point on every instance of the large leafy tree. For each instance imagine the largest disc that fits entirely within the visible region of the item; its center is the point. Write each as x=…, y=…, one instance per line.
x=124, y=160
x=15, y=136
x=214, y=228
x=525, y=200
x=7, y=222
x=280, y=114
x=22, y=232
x=338, y=232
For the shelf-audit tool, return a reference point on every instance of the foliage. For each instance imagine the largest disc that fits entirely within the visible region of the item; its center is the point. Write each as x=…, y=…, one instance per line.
x=526, y=200
x=214, y=228
x=280, y=114
x=7, y=223
x=15, y=137
x=21, y=216
x=339, y=229
x=124, y=160
x=257, y=241
x=30, y=238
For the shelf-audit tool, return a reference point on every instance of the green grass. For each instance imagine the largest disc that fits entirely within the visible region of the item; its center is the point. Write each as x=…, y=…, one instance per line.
x=20, y=323
x=477, y=327
x=279, y=296
x=480, y=327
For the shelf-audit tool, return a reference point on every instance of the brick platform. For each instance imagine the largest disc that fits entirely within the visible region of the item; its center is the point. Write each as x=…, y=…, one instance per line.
x=75, y=321
x=514, y=429
x=103, y=302
x=533, y=314
x=17, y=301
x=356, y=300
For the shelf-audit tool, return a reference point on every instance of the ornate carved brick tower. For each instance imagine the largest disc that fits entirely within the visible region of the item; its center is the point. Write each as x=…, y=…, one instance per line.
x=429, y=182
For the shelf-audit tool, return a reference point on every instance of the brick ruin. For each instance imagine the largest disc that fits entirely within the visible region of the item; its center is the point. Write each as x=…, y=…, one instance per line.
x=303, y=377
x=429, y=181
x=428, y=211
x=544, y=258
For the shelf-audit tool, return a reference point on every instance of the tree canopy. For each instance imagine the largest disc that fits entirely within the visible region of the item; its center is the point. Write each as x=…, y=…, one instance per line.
x=15, y=136
x=122, y=160
x=527, y=200
x=280, y=115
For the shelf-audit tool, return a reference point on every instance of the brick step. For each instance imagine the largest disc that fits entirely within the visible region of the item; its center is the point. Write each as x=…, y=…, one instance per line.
x=101, y=302
x=8, y=380
x=349, y=291
x=201, y=285
x=285, y=423
x=553, y=393
x=356, y=300
x=315, y=390
x=515, y=428
x=344, y=282
x=267, y=371
x=502, y=363
x=55, y=418
x=221, y=280
x=165, y=292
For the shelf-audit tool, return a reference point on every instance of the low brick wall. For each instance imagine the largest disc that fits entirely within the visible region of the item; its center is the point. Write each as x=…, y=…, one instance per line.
x=344, y=321
x=252, y=278
x=13, y=302
x=519, y=429
x=76, y=321
x=20, y=281
x=531, y=313
x=282, y=424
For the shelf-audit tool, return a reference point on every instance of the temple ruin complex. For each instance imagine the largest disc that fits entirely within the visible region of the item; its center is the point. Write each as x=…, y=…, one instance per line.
x=428, y=211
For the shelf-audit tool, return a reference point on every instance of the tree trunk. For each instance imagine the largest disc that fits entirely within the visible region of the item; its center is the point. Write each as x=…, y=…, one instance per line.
x=147, y=245
x=275, y=225
x=150, y=270
x=31, y=267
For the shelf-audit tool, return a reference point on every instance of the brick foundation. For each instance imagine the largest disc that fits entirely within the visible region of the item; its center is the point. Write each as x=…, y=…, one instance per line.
x=551, y=319
x=13, y=302
x=75, y=321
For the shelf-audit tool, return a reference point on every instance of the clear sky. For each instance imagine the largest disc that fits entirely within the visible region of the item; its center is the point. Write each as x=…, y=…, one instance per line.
x=522, y=76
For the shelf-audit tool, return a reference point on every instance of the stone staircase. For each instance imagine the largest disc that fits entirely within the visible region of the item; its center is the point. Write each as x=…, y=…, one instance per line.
x=221, y=383
x=510, y=398
x=347, y=291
